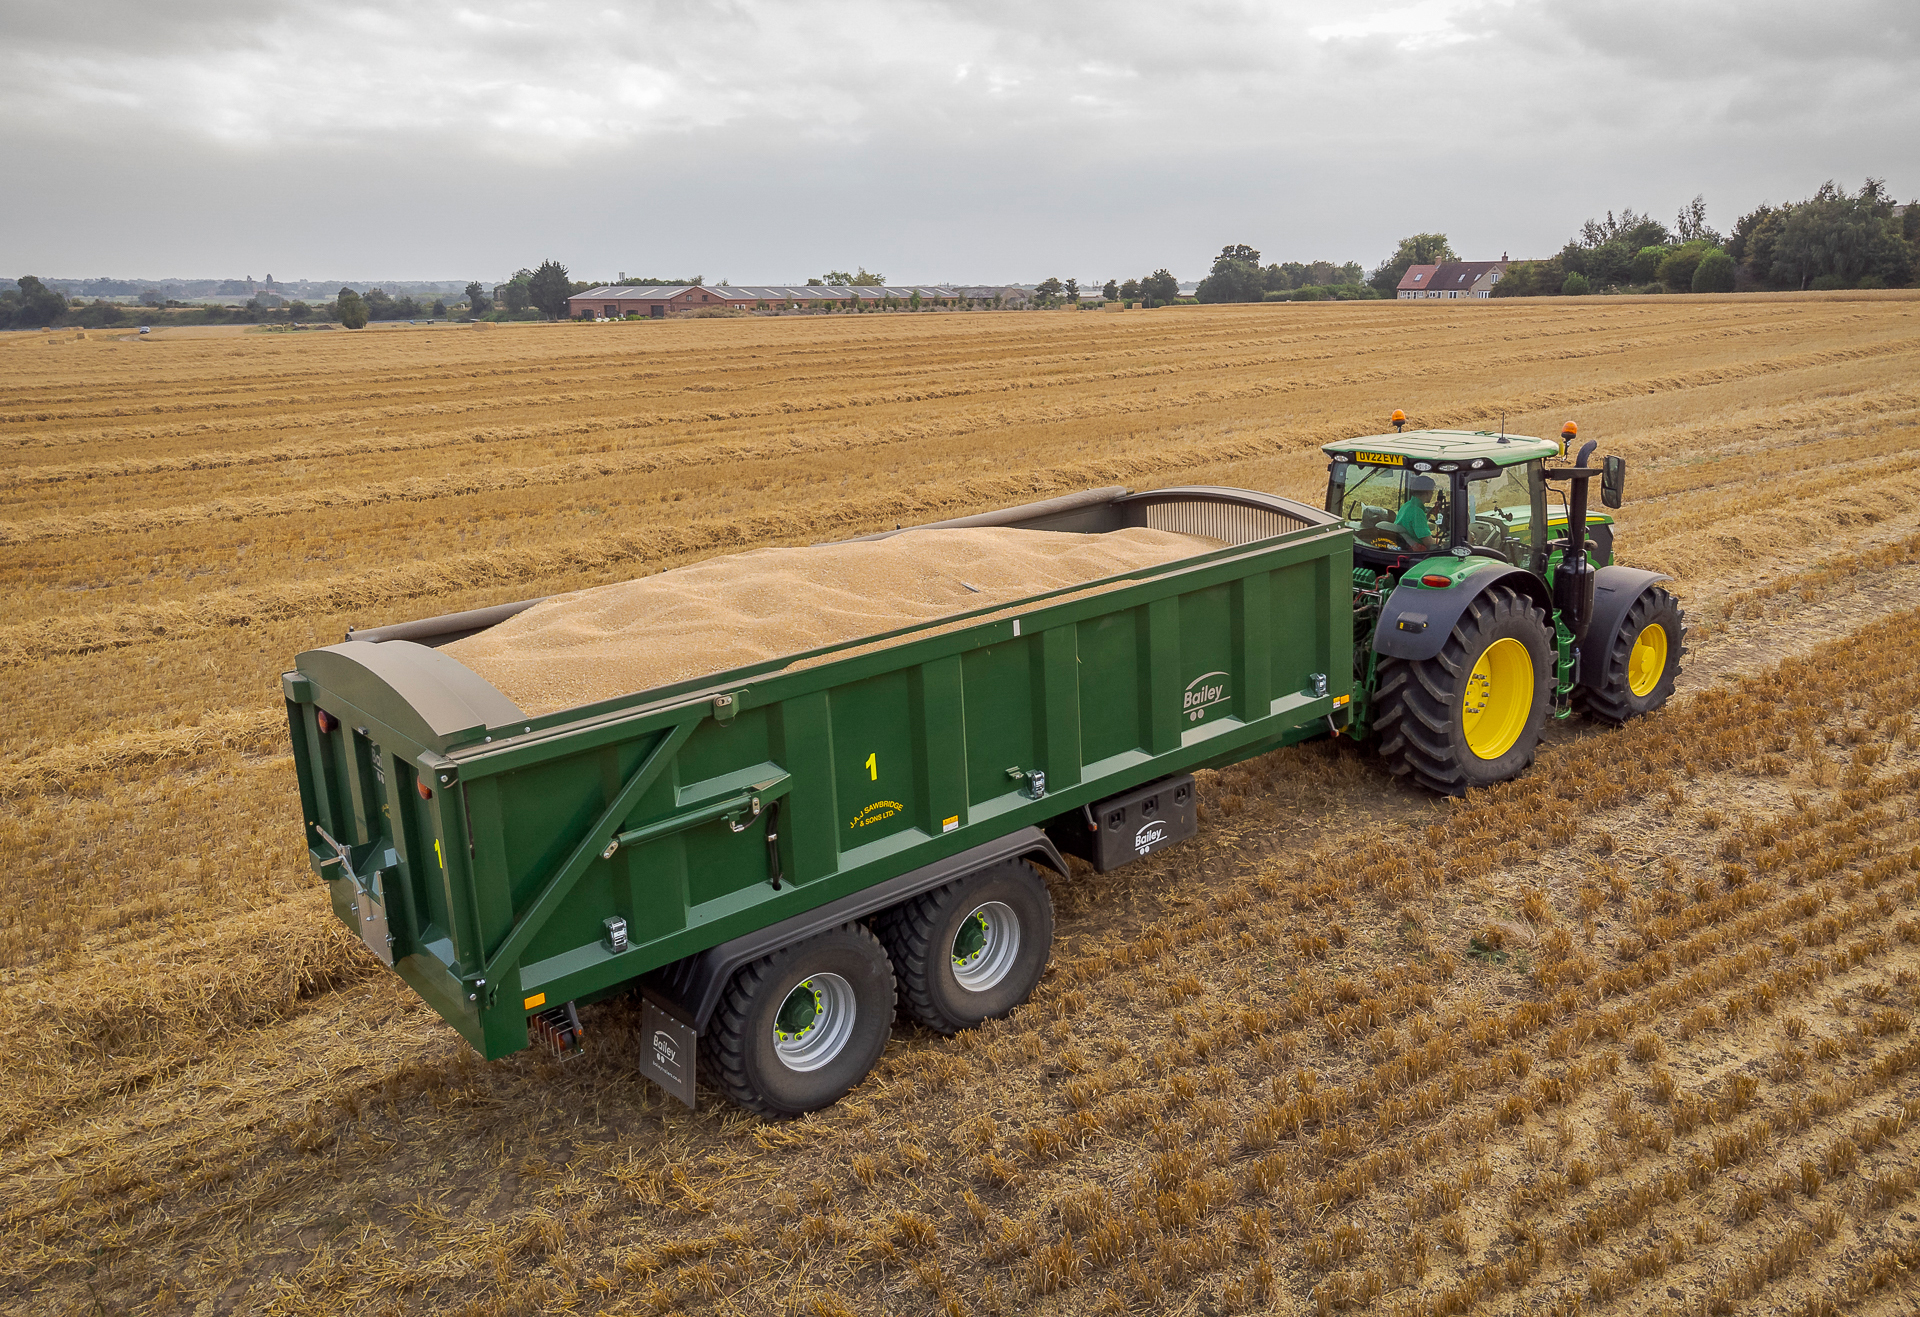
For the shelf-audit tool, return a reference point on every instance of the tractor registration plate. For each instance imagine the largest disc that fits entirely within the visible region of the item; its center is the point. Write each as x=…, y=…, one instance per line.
x=1381, y=459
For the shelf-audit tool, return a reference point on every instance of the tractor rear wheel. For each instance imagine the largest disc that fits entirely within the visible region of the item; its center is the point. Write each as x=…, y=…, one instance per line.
x=1638, y=671
x=1472, y=714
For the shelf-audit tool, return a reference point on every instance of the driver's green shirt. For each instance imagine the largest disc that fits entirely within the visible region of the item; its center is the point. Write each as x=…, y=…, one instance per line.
x=1412, y=519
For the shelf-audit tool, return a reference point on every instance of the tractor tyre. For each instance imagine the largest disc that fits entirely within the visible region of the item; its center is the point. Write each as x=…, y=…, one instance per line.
x=970, y=950
x=1641, y=666
x=1472, y=714
x=797, y=1029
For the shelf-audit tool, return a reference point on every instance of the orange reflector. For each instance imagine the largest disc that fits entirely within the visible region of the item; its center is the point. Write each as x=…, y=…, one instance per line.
x=426, y=792
x=1437, y=582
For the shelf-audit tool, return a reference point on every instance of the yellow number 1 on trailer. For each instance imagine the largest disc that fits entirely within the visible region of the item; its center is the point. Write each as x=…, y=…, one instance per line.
x=873, y=769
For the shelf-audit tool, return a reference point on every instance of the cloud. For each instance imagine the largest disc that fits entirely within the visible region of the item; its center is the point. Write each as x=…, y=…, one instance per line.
x=934, y=138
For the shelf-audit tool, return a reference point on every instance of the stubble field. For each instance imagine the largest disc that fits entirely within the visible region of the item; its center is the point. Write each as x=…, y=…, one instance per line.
x=1634, y=1034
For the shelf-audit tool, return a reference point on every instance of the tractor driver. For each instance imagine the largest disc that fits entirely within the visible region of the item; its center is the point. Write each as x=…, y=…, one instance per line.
x=1422, y=494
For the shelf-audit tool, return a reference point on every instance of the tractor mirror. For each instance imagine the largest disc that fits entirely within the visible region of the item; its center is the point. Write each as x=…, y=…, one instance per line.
x=1613, y=480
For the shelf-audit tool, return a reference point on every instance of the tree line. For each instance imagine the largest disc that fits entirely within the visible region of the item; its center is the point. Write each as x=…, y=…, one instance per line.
x=1238, y=276
x=1830, y=240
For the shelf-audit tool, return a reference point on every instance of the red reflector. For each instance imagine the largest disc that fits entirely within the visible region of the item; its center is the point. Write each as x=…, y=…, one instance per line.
x=1437, y=582
x=426, y=792
x=326, y=720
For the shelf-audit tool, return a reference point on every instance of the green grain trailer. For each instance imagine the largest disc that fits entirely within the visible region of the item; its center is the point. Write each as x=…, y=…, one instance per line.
x=780, y=856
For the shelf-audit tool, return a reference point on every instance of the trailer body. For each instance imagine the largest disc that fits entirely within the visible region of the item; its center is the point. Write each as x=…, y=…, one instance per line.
x=508, y=865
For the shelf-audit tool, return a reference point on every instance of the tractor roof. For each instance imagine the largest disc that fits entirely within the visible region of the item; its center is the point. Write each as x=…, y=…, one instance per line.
x=1447, y=446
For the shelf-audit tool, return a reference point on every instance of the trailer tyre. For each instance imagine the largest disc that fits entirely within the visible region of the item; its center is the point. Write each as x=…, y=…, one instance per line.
x=797, y=1029
x=1472, y=714
x=970, y=950
x=1643, y=662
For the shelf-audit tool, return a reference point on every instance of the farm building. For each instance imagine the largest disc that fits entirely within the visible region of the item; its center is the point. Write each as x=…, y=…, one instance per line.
x=1453, y=279
x=617, y=300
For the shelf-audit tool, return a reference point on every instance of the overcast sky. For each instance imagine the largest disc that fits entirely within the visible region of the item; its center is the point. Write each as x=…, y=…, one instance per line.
x=997, y=140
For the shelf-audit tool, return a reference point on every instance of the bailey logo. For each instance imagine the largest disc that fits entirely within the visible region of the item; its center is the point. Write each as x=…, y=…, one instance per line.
x=1203, y=693
x=663, y=1049
x=1150, y=835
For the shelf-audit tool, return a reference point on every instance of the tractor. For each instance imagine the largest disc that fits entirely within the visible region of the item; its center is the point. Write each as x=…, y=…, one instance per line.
x=1486, y=600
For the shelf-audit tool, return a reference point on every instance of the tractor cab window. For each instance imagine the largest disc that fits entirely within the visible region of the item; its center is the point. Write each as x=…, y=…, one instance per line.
x=1498, y=511
x=1390, y=507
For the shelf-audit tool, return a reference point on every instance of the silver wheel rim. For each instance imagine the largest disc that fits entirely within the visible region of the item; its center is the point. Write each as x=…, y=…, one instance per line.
x=986, y=946
x=810, y=1042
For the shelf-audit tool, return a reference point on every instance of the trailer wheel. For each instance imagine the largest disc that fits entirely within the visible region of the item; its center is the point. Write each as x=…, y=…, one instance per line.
x=971, y=950
x=797, y=1029
x=1643, y=662
x=1472, y=714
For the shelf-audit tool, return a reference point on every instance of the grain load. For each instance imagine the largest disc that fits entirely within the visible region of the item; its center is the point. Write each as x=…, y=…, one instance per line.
x=746, y=608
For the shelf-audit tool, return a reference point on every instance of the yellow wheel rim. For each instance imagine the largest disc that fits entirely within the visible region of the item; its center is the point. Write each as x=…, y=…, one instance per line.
x=1498, y=699
x=1648, y=661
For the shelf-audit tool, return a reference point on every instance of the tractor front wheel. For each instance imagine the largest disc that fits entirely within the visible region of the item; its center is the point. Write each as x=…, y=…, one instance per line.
x=1638, y=670
x=1472, y=714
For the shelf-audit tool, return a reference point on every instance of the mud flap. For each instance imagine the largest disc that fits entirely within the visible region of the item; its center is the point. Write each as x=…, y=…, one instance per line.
x=667, y=1051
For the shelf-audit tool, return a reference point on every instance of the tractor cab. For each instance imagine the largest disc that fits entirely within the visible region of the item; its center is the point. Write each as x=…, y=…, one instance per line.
x=1469, y=493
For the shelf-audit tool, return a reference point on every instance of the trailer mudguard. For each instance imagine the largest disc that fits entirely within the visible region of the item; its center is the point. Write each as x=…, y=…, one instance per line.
x=689, y=990
x=1614, y=591
x=1416, y=621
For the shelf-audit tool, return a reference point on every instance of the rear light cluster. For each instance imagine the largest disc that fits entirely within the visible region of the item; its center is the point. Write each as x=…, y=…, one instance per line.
x=326, y=720
x=1437, y=582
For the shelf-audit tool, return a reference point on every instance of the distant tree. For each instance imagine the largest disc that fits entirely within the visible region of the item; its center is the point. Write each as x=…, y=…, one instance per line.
x=1531, y=279
x=1159, y=288
x=380, y=306
x=1646, y=264
x=1691, y=224
x=1048, y=291
x=1130, y=291
x=1834, y=240
x=1073, y=291
x=298, y=310
x=816, y=283
x=549, y=289
x=352, y=310
x=406, y=308
x=1420, y=249
x=478, y=304
x=1111, y=291
x=1633, y=231
x=514, y=292
x=1606, y=252
x=1714, y=274
x=1677, y=267
x=1236, y=277
x=860, y=279
x=34, y=306
x=1574, y=285
x=913, y=303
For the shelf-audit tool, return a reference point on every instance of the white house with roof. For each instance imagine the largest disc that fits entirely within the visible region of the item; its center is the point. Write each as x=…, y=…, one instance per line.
x=1454, y=279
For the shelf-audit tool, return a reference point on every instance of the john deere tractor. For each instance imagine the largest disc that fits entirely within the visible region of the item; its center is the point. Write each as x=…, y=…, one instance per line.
x=1486, y=600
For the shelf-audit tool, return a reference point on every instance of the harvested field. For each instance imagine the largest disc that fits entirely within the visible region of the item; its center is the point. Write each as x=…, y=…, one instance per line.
x=1634, y=1034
